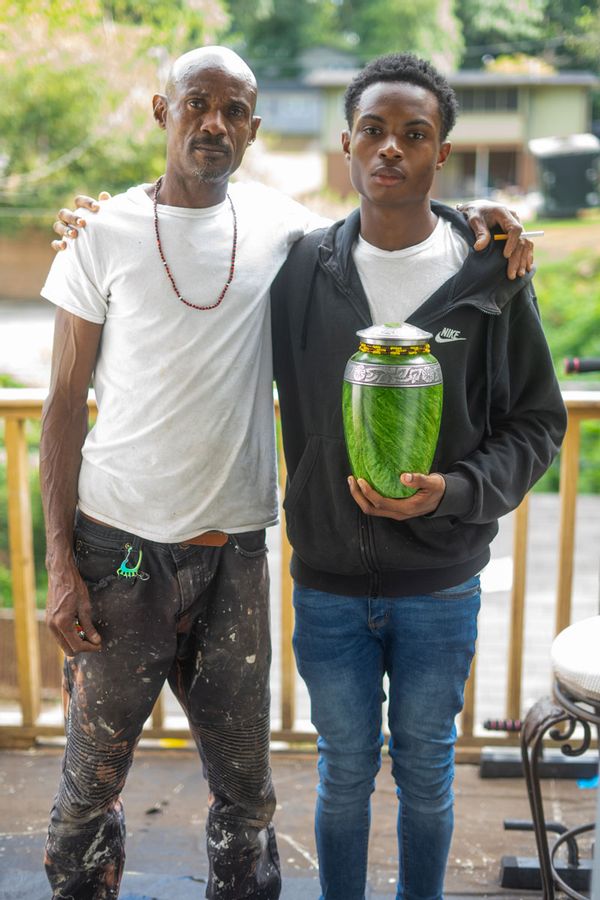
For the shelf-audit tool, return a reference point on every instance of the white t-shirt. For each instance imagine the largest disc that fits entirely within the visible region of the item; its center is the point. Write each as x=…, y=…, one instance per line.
x=397, y=282
x=184, y=438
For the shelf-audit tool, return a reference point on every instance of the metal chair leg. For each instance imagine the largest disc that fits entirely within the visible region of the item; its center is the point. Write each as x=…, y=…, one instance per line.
x=542, y=716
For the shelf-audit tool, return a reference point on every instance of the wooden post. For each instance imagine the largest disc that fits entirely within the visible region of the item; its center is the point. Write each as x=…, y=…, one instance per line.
x=468, y=714
x=517, y=611
x=569, y=470
x=158, y=713
x=288, y=664
x=23, y=578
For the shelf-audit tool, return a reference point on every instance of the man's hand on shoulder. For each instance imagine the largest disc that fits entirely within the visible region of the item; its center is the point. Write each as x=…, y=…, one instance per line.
x=483, y=215
x=429, y=492
x=68, y=223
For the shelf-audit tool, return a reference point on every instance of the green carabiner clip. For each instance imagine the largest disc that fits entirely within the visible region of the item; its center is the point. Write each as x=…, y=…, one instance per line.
x=124, y=570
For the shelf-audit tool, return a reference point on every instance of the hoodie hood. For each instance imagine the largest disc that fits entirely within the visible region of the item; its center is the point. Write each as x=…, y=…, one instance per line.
x=481, y=267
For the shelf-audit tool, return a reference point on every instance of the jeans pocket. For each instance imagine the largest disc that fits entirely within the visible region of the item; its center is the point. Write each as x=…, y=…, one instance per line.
x=98, y=565
x=325, y=604
x=250, y=544
x=469, y=588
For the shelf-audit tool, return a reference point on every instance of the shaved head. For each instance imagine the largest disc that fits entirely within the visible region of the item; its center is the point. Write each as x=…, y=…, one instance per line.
x=207, y=111
x=208, y=58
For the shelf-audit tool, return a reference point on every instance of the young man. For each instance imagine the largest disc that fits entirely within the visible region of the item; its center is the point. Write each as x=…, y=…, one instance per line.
x=173, y=487
x=388, y=586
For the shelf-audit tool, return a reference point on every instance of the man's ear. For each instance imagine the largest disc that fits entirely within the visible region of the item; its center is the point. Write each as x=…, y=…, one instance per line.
x=346, y=143
x=254, y=126
x=443, y=155
x=160, y=105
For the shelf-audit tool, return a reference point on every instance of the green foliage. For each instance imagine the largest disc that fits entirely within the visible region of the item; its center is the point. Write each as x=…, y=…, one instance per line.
x=78, y=78
x=569, y=297
x=5, y=587
x=566, y=33
x=37, y=520
x=40, y=121
x=500, y=20
x=272, y=34
x=176, y=25
x=59, y=14
x=584, y=42
x=7, y=381
x=589, y=464
x=427, y=27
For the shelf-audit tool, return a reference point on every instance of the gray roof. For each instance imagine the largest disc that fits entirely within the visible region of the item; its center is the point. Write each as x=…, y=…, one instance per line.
x=467, y=78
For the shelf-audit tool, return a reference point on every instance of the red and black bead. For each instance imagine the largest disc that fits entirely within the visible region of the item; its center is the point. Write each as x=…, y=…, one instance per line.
x=157, y=187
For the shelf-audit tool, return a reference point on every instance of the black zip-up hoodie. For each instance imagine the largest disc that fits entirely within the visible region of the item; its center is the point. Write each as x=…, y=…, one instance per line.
x=502, y=423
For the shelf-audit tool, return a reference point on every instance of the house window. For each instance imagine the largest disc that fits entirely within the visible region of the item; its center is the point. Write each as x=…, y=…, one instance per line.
x=487, y=99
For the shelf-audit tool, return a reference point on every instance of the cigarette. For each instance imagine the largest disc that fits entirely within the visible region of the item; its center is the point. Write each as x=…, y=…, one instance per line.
x=525, y=234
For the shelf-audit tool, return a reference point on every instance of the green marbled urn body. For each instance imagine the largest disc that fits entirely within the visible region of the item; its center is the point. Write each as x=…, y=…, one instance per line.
x=392, y=406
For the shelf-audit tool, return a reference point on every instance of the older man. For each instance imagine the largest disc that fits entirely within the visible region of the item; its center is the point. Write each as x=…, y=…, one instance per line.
x=164, y=302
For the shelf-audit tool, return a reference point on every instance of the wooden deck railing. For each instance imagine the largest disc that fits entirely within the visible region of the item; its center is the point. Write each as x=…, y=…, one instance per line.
x=17, y=406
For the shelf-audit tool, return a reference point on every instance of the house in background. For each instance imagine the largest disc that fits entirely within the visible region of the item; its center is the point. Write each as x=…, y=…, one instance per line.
x=499, y=114
x=293, y=110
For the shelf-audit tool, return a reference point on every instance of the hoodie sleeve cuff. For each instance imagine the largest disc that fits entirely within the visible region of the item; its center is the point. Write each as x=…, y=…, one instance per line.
x=458, y=498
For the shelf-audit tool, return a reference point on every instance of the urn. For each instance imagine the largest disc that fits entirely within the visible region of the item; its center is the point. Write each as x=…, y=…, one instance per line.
x=392, y=406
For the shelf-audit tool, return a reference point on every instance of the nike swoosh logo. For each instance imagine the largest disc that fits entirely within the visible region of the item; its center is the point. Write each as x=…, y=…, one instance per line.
x=446, y=340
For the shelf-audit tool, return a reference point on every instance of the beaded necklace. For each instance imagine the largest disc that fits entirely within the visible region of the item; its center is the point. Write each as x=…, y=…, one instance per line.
x=157, y=187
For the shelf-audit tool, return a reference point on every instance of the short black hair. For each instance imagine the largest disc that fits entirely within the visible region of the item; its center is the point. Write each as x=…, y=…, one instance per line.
x=409, y=68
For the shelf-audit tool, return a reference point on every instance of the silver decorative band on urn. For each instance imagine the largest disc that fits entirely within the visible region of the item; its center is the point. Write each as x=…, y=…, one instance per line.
x=419, y=375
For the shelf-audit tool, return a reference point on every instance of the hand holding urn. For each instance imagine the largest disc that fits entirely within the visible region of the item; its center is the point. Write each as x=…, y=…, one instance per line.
x=392, y=406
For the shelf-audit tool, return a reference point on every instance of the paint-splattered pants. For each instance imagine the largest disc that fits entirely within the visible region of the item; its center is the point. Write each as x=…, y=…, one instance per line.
x=197, y=616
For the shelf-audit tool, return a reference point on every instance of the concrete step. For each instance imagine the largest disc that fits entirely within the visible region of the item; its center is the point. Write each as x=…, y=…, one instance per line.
x=24, y=885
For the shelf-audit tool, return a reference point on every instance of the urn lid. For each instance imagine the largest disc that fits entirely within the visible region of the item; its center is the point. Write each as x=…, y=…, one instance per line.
x=394, y=334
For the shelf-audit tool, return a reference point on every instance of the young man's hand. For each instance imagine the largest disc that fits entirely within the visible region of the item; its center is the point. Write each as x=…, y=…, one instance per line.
x=430, y=490
x=483, y=215
x=69, y=614
x=68, y=222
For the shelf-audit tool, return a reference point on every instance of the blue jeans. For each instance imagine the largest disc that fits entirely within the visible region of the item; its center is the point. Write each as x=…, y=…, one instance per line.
x=344, y=646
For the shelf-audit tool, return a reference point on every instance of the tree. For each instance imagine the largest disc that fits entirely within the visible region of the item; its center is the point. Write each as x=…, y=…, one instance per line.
x=584, y=42
x=556, y=30
x=176, y=25
x=426, y=27
x=496, y=21
x=273, y=33
x=78, y=76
